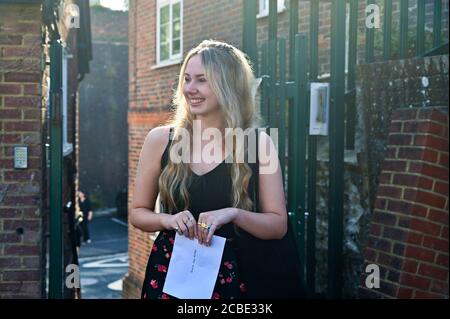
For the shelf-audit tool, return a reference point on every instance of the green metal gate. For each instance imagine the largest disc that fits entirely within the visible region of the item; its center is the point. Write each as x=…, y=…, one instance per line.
x=285, y=97
x=56, y=263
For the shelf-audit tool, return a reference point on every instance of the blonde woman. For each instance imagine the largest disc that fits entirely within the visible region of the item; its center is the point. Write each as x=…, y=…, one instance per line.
x=205, y=198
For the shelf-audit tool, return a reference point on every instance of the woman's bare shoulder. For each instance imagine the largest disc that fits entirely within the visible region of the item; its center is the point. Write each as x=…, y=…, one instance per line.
x=157, y=139
x=159, y=134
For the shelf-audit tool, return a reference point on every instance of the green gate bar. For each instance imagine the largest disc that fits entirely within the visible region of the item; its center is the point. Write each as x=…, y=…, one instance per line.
x=293, y=30
x=314, y=40
x=387, y=35
x=273, y=15
x=351, y=78
x=312, y=158
x=298, y=206
x=403, y=28
x=282, y=107
x=437, y=16
x=56, y=265
x=249, y=33
x=336, y=136
x=272, y=68
x=370, y=37
x=420, y=28
x=292, y=126
x=264, y=84
x=312, y=218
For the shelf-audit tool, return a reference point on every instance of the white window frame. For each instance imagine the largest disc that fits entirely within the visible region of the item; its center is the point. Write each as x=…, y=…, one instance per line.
x=173, y=58
x=263, y=8
x=67, y=147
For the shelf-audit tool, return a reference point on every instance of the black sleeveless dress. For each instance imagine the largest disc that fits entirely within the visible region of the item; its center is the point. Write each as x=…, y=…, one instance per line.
x=210, y=191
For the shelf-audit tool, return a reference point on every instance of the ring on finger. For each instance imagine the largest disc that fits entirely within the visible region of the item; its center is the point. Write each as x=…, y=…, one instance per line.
x=203, y=225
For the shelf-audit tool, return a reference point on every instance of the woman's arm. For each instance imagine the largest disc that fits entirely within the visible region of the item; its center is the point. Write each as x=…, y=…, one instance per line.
x=271, y=221
x=142, y=213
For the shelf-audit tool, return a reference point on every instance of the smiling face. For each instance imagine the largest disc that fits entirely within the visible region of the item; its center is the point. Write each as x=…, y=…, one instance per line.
x=199, y=96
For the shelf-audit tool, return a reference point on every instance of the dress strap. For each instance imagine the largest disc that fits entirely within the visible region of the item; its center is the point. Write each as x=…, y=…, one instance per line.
x=165, y=156
x=256, y=177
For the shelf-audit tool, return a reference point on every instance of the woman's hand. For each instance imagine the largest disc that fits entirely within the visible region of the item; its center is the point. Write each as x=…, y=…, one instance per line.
x=183, y=222
x=209, y=222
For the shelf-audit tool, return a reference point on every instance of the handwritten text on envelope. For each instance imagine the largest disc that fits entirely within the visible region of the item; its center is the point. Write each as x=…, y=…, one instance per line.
x=193, y=268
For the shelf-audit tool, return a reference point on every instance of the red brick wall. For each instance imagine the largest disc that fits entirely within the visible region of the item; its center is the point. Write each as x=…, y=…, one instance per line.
x=139, y=242
x=148, y=88
x=20, y=124
x=213, y=19
x=23, y=109
x=409, y=231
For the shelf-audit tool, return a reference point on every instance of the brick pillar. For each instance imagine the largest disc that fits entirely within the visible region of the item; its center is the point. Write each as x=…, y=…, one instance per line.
x=139, y=243
x=409, y=232
x=21, y=263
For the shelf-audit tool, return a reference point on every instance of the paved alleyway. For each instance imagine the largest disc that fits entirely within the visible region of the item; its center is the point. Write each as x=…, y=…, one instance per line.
x=104, y=262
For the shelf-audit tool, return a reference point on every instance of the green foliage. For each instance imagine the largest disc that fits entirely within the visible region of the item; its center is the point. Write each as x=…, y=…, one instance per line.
x=395, y=42
x=97, y=7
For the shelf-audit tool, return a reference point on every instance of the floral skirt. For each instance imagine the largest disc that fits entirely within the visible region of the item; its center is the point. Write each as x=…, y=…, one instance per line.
x=228, y=284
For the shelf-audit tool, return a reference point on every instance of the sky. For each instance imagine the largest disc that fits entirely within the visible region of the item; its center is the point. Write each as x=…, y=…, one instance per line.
x=113, y=4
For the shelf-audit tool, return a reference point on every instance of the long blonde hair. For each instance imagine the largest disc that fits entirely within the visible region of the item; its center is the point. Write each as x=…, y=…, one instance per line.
x=230, y=77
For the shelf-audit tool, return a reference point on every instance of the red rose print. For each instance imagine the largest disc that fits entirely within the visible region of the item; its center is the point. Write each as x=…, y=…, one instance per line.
x=229, y=279
x=162, y=268
x=216, y=296
x=154, y=248
x=222, y=281
x=164, y=296
x=153, y=283
x=171, y=240
x=243, y=288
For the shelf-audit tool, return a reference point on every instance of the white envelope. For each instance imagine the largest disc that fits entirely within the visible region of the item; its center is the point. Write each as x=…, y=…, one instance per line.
x=193, y=268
